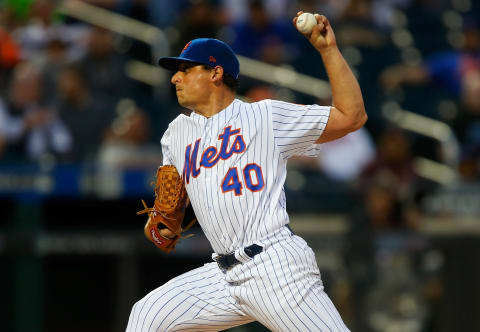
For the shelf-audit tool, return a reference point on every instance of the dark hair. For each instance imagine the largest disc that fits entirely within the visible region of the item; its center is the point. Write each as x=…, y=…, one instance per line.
x=228, y=80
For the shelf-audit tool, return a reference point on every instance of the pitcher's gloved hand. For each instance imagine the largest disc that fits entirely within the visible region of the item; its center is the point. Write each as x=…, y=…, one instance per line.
x=164, y=225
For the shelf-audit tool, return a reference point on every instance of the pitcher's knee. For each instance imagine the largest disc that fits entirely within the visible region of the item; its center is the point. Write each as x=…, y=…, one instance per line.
x=149, y=315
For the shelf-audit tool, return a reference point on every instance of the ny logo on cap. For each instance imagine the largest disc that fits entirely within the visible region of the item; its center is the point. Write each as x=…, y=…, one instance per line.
x=186, y=46
x=212, y=59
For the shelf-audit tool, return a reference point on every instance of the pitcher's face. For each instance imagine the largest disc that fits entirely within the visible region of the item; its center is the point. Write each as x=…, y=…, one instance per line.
x=192, y=84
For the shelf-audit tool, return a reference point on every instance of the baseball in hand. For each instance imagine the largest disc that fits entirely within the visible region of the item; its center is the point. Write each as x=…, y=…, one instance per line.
x=306, y=22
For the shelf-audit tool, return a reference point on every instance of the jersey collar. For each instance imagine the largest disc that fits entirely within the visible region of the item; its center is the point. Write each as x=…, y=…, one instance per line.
x=224, y=115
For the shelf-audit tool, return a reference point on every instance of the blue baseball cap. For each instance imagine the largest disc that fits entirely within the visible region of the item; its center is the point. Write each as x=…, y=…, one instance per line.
x=207, y=51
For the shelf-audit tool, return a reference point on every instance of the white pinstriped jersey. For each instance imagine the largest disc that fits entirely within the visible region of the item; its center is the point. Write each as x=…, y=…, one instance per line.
x=234, y=165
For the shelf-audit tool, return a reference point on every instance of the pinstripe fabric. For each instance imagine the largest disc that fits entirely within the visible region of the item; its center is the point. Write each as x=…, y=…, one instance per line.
x=272, y=131
x=194, y=301
x=280, y=287
x=234, y=167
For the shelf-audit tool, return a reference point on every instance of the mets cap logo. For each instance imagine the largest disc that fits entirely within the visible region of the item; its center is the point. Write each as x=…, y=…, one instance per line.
x=212, y=59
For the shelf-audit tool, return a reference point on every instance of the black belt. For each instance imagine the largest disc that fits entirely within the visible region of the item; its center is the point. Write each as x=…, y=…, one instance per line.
x=226, y=262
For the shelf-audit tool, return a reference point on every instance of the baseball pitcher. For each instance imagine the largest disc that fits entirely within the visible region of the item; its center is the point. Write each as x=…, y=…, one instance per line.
x=228, y=158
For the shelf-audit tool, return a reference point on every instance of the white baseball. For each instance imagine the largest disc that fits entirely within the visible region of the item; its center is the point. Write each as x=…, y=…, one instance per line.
x=306, y=22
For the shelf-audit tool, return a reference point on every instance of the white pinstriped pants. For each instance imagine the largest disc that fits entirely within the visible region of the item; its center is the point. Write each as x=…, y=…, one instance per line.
x=280, y=287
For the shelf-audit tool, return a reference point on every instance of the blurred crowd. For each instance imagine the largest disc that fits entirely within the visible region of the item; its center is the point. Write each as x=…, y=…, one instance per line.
x=62, y=84
x=63, y=80
x=65, y=97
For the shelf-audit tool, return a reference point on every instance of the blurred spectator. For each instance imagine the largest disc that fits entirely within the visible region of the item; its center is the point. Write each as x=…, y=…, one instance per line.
x=461, y=199
x=55, y=57
x=29, y=128
x=9, y=56
x=329, y=8
x=86, y=117
x=161, y=13
x=446, y=69
x=458, y=202
x=237, y=11
x=393, y=160
x=379, y=12
x=425, y=16
x=383, y=248
x=104, y=69
x=466, y=122
x=199, y=20
x=42, y=26
x=127, y=145
x=9, y=49
x=344, y=159
x=385, y=11
x=356, y=26
x=260, y=37
x=383, y=204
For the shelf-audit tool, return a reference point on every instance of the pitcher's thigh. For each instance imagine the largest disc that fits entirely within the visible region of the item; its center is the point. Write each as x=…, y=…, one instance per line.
x=283, y=312
x=325, y=315
x=291, y=291
x=194, y=301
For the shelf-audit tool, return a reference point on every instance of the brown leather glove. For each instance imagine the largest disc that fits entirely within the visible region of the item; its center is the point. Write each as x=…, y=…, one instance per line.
x=168, y=210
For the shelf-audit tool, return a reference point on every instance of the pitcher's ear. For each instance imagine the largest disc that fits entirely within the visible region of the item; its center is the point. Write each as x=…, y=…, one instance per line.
x=218, y=73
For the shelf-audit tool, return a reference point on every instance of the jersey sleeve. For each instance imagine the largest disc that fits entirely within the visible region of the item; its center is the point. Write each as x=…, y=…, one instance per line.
x=297, y=127
x=166, y=148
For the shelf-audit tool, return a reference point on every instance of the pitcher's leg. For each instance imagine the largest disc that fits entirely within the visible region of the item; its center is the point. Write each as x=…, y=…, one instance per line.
x=287, y=280
x=194, y=301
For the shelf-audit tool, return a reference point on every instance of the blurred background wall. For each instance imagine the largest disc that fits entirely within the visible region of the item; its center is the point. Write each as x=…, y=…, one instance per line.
x=392, y=210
